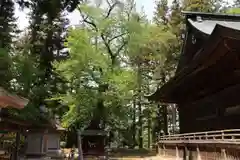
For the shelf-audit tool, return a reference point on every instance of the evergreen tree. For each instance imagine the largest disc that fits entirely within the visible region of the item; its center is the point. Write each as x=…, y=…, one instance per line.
x=43, y=44
x=7, y=30
x=209, y=6
x=160, y=15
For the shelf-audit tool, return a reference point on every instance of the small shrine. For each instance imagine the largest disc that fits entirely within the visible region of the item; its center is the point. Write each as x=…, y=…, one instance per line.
x=94, y=139
x=44, y=140
x=10, y=127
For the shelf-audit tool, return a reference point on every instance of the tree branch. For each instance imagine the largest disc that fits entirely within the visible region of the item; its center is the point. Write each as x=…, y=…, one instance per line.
x=111, y=7
x=121, y=47
x=108, y=47
x=85, y=19
x=115, y=37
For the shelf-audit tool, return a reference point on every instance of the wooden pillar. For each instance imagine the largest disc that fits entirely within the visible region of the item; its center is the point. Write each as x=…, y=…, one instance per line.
x=177, y=153
x=17, y=146
x=164, y=150
x=45, y=141
x=158, y=149
x=191, y=155
x=198, y=154
x=80, y=153
x=223, y=154
x=185, y=154
x=182, y=119
x=174, y=117
x=165, y=119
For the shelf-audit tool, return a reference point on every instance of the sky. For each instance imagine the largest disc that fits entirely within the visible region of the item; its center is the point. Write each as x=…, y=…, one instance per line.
x=148, y=6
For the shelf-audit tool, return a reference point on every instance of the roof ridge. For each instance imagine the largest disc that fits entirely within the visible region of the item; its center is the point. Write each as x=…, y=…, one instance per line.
x=225, y=16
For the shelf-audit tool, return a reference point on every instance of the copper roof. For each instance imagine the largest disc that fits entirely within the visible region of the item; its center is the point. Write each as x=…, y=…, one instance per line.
x=11, y=100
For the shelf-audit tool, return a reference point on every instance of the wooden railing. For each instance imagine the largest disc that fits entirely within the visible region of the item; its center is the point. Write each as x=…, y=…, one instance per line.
x=222, y=136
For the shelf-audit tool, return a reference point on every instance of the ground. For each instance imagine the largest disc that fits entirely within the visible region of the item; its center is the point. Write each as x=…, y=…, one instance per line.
x=147, y=158
x=133, y=156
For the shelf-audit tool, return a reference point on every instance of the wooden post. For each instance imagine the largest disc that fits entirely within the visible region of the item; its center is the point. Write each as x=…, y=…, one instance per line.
x=45, y=142
x=17, y=146
x=80, y=153
x=158, y=150
x=177, y=153
x=185, y=154
x=223, y=154
x=198, y=154
x=164, y=150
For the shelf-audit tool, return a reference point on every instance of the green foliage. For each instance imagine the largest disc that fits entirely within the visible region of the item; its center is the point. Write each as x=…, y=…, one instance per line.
x=5, y=67
x=105, y=51
x=233, y=11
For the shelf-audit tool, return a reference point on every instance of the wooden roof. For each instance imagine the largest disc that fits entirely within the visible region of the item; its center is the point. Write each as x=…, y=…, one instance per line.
x=213, y=69
x=11, y=100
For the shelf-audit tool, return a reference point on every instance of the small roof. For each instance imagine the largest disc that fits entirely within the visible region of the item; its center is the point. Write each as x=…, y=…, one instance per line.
x=11, y=100
x=94, y=133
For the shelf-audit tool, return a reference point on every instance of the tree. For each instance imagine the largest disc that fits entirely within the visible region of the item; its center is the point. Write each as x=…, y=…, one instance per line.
x=160, y=15
x=7, y=29
x=104, y=70
x=93, y=70
x=34, y=52
x=203, y=5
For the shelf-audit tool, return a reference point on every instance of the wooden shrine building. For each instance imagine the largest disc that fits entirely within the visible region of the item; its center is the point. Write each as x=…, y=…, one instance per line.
x=8, y=100
x=94, y=139
x=206, y=85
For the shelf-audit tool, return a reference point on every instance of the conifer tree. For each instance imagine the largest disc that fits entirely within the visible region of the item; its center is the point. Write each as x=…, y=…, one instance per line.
x=160, y=14
x=7, y=30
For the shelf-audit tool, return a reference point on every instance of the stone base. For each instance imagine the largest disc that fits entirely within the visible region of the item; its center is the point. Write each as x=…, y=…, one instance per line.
x=56, y=154
x=46, y=158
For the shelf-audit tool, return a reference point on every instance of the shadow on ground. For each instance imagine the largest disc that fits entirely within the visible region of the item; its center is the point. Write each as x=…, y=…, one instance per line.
x=130, y=154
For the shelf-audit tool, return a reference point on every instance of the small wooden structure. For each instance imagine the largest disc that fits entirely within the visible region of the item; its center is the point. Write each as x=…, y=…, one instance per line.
x=44, y=141
x=94, y=140
x=8, y=124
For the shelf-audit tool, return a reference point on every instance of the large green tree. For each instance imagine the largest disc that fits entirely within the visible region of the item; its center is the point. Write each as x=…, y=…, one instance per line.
x=112, y=55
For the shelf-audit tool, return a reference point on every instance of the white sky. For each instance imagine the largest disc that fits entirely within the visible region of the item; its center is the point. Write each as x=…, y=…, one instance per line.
x=148, y=6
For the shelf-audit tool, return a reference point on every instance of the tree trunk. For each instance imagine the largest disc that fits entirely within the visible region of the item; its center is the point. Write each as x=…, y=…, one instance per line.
x=157, y=123
x=149, y=130
x=174, y=116
x=80, y=153
x=140, y=138
x=134, y=124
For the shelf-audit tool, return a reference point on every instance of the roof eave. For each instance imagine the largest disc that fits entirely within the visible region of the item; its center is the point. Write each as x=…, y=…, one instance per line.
x=162, y=94
x=11, y=100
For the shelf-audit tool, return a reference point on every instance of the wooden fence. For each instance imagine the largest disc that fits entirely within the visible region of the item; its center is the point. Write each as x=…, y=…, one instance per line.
x=222, y=145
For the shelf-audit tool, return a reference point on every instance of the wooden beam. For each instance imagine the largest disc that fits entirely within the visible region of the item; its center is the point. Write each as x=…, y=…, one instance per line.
x=225, y=98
